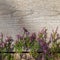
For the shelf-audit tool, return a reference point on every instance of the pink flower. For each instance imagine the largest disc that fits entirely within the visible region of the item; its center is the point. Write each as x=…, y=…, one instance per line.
x=44, y=46
x=26, y=31
x=2, y=45
x=19, y=37
x=8, y=38
x=33, y=37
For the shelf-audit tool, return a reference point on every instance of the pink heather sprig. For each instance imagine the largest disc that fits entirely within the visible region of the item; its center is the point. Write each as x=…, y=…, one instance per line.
x=2, y=45
x=8, y=44
x=43, y=34
x=33, y=37
x=19, y=37
x=44, y=46
x=8, y=38
x=26, y=32
x=42, y=37
x=54, y=35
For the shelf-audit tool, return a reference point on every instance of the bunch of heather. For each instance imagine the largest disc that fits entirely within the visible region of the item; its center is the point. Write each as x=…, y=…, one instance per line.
x=9, y=48
x=2, y=43
x=34, y=45
x=8, y=44
x=31, y=42
x=44, y=46
x=5, y=46
x=55, y=48
x=43, y=34
x=19, y=44
x=27, y=42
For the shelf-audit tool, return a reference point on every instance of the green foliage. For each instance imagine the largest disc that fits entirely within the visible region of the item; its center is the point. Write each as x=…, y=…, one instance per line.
x=18, y=46
x=48, y=57
x=27, y=42
x=34, y=49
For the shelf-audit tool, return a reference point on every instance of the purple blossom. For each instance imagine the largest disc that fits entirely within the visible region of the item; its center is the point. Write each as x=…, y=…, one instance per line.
x=19, y=37
x=33, y=37
x=43, y=34
x=9, y=39
x=54, y=36
x=2, y=44
x=26, y=31
x=44, y=45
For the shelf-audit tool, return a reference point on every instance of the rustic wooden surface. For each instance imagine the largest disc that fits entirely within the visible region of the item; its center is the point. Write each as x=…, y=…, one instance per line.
x=15, y=14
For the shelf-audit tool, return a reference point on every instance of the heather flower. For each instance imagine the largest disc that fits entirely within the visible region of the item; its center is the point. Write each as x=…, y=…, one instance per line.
x=2, y=44
x=57, y=37
x=9, y=39
x=54, y=36
x=44, y=45
x=26, y=31
x=45, y=49
x=8, y=44
x=43, y=34
x=19, y=37
x=33, y=37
